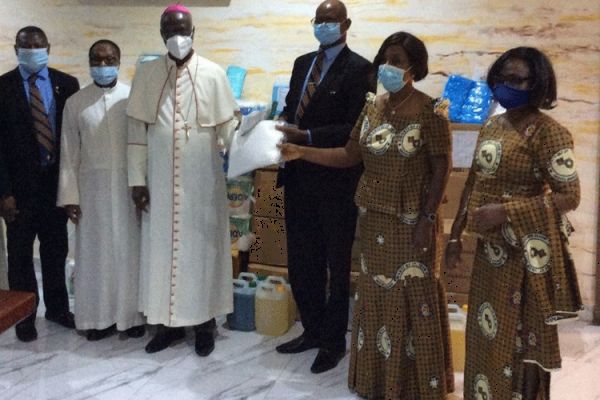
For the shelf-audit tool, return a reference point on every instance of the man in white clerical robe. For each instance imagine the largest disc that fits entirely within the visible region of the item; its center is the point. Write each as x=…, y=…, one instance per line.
x=94, y=190
x=180, y=107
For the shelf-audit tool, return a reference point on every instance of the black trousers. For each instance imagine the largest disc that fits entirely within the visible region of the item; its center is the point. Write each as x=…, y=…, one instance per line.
x=320, y=232
x=43, y=219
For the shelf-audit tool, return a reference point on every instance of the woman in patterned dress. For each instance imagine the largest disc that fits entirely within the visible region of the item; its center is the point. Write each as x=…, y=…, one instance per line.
x=522, y=182
x=400, y=347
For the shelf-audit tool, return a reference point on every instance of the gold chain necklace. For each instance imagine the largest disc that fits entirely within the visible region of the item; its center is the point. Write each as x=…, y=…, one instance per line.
x=394, y=108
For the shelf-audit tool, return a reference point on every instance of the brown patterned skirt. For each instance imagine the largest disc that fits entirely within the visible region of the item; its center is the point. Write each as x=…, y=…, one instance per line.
x=400, y=337
x=505, y=327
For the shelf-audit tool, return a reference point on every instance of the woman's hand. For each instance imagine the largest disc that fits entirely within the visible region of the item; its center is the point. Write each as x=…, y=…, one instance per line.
x=453, y=252
x=489, y=216
x=422, y=235
x=290, y=151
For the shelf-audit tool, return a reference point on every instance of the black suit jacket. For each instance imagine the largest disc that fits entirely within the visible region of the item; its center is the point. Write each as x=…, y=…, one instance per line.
x=330, y=117
x=20, y=168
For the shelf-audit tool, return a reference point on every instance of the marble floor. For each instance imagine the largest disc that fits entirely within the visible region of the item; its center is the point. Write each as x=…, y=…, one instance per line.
x=62, y=365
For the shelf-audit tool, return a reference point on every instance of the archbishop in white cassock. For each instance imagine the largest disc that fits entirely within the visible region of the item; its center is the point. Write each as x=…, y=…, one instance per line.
x=93, y=175
x=177, y=117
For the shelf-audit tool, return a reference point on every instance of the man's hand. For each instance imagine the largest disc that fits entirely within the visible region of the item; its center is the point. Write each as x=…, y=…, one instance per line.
x=73, y=212
x=489, y=216
x=141, y=198
x=8, y=209
x=293, y=134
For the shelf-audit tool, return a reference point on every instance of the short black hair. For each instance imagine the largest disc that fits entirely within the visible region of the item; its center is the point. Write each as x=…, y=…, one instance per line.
x=106, y=42
x=414, y=48
x=30, y=29
x=543, y=88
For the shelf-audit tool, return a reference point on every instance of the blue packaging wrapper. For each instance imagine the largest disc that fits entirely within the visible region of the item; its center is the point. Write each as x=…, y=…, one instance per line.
x=470, y=100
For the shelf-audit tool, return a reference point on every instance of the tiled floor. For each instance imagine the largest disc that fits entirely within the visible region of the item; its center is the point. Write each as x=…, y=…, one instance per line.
x=62, y=365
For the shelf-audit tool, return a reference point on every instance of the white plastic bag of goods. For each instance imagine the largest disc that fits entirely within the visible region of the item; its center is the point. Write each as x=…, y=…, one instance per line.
x=255, y=149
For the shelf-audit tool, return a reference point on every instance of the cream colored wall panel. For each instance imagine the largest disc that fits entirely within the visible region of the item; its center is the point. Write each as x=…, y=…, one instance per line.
x=462, y=36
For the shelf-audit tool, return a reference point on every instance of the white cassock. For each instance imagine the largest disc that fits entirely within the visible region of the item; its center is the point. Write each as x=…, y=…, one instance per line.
x=186, y=251
x=93, y=175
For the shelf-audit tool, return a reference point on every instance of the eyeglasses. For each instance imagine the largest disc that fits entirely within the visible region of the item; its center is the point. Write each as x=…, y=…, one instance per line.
x=314, y=21
x=512, y=80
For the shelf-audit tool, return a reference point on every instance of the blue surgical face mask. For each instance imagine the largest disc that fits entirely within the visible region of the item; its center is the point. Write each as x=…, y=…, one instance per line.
x=327, y=32
x=32, y=60
x=392, y=78
x=104, y=75
x=509, y=97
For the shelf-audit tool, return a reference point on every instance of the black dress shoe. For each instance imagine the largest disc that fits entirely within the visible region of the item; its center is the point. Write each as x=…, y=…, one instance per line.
x=136, y=331
x=163, y=338
x=26, y=332
x=326, y=360
x=98, y=334
x=205, y=343
x=298, y=345
x=66, y=319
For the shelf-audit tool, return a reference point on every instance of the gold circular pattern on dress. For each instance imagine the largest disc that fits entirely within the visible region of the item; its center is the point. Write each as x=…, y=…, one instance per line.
x=364, y=127
x=409, y=141
x=489, y=155
x=363, y=264
x=509, y=235
x=384, y=281
x=384, y=344
x=412, y=269
x=562, y=166
x=380, y=139
x=537, y=253
x=410, y=346
x=495, y=254
x=481, y=388
x=360, y=339
x=532, y=339
x=486, y=318
x=409, y=217
x=519, y=348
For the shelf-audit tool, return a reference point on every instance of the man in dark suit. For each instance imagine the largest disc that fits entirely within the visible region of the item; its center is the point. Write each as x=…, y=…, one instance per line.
x=327, y=93
x=32, y=97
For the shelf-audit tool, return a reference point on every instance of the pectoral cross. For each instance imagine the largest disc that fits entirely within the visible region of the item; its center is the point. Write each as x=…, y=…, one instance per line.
x=186, y=128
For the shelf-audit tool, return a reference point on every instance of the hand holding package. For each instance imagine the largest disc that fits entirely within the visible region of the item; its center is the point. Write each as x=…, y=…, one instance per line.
x=255, y=149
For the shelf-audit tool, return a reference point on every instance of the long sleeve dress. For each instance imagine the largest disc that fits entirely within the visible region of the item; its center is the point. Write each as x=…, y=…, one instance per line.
x=400, y=347
x=523, y=279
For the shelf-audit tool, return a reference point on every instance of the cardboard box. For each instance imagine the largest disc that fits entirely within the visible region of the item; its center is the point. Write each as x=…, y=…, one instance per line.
x=270, y=246
x=458, y=298
x=454, y=188
x=456, y=284
x=268, y=198
x=267, y=270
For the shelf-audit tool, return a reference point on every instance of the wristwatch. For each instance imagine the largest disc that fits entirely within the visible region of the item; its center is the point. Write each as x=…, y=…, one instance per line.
x=430, y=216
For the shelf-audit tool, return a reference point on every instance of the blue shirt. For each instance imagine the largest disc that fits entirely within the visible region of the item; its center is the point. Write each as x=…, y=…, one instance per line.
x=45, y=87
x=330, y=56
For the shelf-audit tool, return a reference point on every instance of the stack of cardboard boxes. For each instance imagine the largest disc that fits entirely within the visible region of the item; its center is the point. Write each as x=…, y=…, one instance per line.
x=268, y=254
x=457, y=280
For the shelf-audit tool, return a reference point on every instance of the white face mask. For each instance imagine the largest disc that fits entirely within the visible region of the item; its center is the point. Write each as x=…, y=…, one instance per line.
x=179, y=46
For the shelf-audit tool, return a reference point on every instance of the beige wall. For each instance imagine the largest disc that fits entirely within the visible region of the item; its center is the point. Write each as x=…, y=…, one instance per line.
x=462, y=36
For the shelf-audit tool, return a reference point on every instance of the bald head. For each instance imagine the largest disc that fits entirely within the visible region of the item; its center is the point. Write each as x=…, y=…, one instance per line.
x=334, y=8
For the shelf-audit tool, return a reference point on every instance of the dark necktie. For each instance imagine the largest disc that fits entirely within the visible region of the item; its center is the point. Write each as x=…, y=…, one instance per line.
x=311, y=85
x=41, y=123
